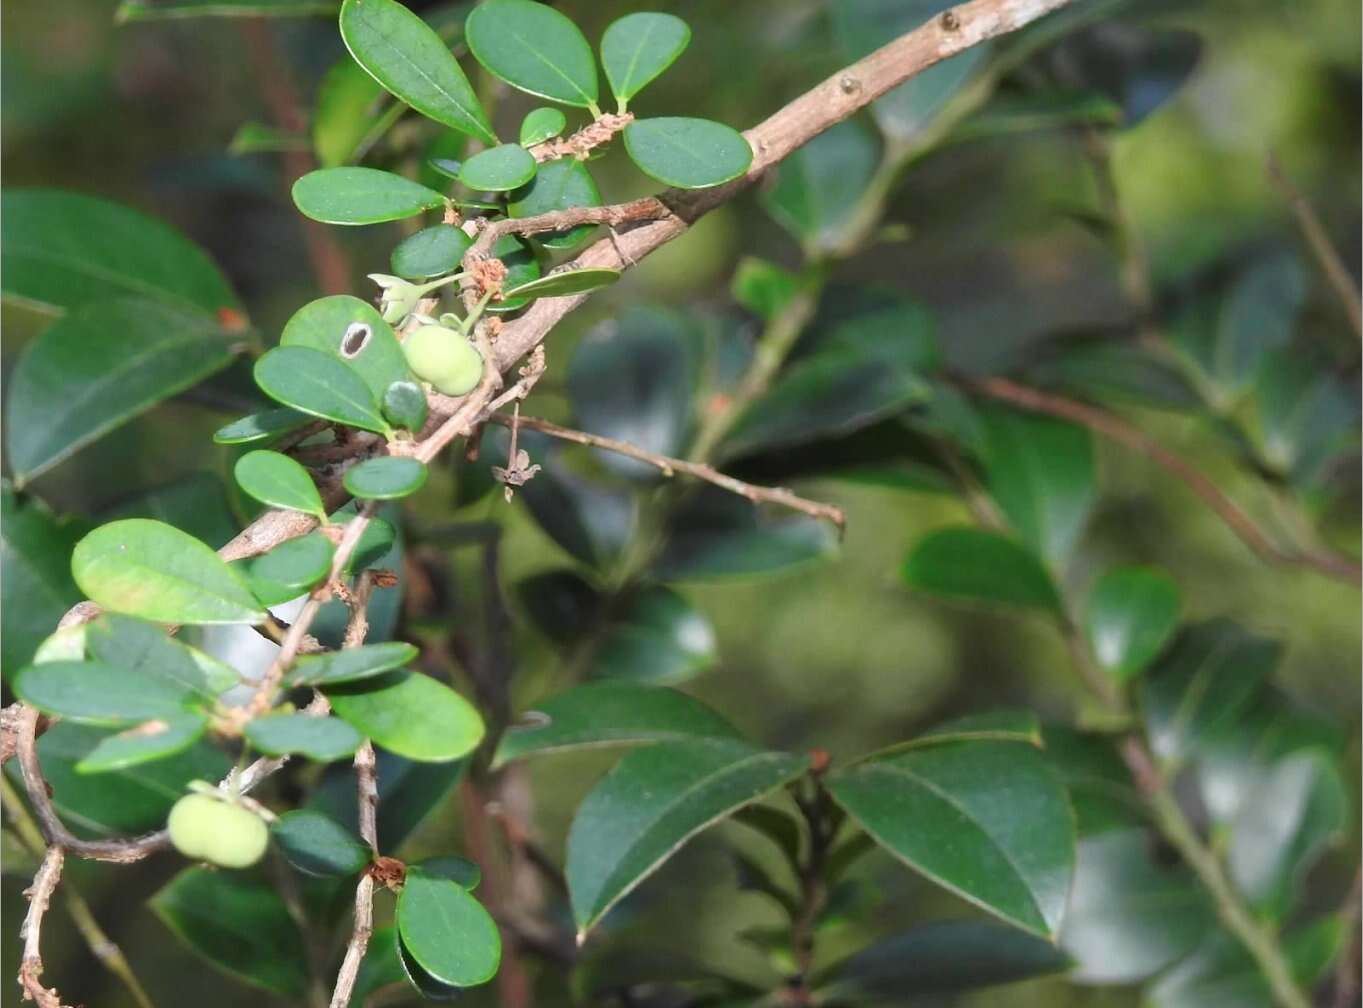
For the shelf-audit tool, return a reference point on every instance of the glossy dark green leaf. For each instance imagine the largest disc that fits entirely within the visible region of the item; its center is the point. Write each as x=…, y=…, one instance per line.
x=1131, y=614
x=349, y=195
x=986, y=819
x=978, y=566
x=453, y=867
x=350, y=664
x=135, y=799
x=144, y=743
x=385, y=477
x=98, y=367
x=279, y=481
x=942, y=957
x=404, y=405
x=534, y=48
x=446, y=931
x=260, y=426
x=541, y=124
x=316, y=383
x=431, y=252
x=318, y=845
x=1305, y=416
x=410, y=714
x=155, y=10
x=1101, y=791
x=1106, y=370
x=1282, y=827
x=634, y=378
x=375, y=544
x=148, y=569
x=687, y=153
x=354, y=333
x=426, y=985
x=818, y=186
x=98, y=693
x=498, y=169
x=652, y=802
x=610, y=714
x=638, y=47
x=654, y=635
x=36, y=587
x=64, y=250
x=1129, y=917
x=564, y=284
x=861, y=26
x=319, y=738
x=351, y=112
x=558, y=185
x=717, y=535
x=1204, y=681
x=408, y=793
x=238, y=925
x=409, y=59
x=521, y=267
x=298, y=563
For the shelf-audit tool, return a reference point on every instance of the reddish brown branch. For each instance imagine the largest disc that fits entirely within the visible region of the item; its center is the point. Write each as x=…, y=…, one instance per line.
x=39, y=896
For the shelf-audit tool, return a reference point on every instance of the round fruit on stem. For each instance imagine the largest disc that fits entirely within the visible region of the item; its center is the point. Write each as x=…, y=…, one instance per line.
x=218, y=831
x=445, y=358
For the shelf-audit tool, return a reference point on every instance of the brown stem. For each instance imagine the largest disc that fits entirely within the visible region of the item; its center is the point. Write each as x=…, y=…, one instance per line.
x=39, y=896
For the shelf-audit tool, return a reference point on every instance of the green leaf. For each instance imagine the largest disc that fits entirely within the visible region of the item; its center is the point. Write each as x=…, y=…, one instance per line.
x=196, y=503
x=154, y=10
x=149, y=569
x=96, y=693
x=1221, y=972
x=1283, y=826
x=534, y=48
x=260, y=426
x=1203, y=683
x=132, y=800
x=565, y=283
x=610, y=714
x=1008, y=114
x=636, y=48
x=1139, y=68
x=297, y=564
x=385, y=477
x=361, y=195
x=426, y=985
x=408, y=793
x=819, y=185
x=318, y=845
x=997, y=726
x=261, y=138
x=521, y=267
x=278, y=481
x=354, y=333
x=453, y=867
x=407, y=57
x=634, y=378
x=687, y=153
x=144, y=743
x=350, y=114
x=143, y=648
x=380, y=968
x=656, y=636
x=446, y=931
x=498, y=169
x=762, y=287
x=316, y=383
x=1131, y=614
x=542, y=124
x=404, y=405
x=36, y=587
x=98, y=367
x=1128, y=917
x=1041, y=473
x=987, y=820
x=410, y=714
x=942, y=957
x=350, y=664
x=652, y=802
x=431, y=252
x=718, y=535
x=64, y=250
x=320, y=738
x=979, y=566
x=558, y=185
x=236, y=924
x=1099, y=784
x=1304, y=417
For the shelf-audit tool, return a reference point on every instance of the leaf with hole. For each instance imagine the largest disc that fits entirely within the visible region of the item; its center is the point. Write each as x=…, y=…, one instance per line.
x=431, y=252
x=987, y=820
x=316, y=383
x=406, y=56
x=149, y=569
x=610, y=714
x=534, y=48
x=558, y=185
x=318, y=845
x=636, y=48
x=261, y=426
x=498, y=169
x=99, y=366
x=978, y=566
x=351, y=195
x=276, y=480
x=319, y=738
x=385, y=477
x=541, y=124
x=1132, y=612
x=144, y=743
x=446, y=931
x=687, y=153
x=652, y=802
x=410, y=714
x=353, y=332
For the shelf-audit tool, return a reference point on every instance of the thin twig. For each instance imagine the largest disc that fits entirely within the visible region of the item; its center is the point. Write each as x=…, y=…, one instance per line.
x=39, y=896
x=669, y=466
x=581, y=143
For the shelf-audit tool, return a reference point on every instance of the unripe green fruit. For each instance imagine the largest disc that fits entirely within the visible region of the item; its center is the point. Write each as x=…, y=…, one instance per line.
x=444, y=358
x=219, y=832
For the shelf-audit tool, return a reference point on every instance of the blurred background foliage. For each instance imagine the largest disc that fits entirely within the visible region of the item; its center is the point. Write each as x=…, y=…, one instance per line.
x=989, y=235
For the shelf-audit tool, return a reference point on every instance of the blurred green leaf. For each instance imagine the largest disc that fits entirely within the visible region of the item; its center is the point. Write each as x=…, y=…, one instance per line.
x=151, y=10
x=638, y=47
x=261, y=138
x=36, y=587
x=819, y=185
x=319, y=738
x=146, y=648
x=979, y=566
x=1139, y=68
x=349, y=195
x=318, y=845
x=410, y=714
x=717, y=535
x=1304, y=417
x=1131, y=614
x=1036, y=111
x=521, y=267
x=351, y=112
x=446, y=931
x=315, y=382
x=687, y=153
x=278, y=481
x=408, y=793
x=763, y=287
x=534, y=48
x=653, y=635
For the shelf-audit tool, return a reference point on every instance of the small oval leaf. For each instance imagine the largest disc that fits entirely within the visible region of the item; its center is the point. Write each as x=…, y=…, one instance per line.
x=1131, y=615
x=295, y=564
x=94, y=692
x=405, y=406
x=446, y=931
x=318, y=845
x=260, y=426
x=278, y=481
x=534, y=48
x=687, y=153
x=354, y=333
x=431, y=252
x=320, y=738
x=361, y=196
x=542, y=124
x=638, y=47
x=316, y=383
x=569, y=282
x=410, y=714
x=558, y=185
x=350, y=664
x=979, y=566
x=498, y=169
x=387, y=477
x=143, y=743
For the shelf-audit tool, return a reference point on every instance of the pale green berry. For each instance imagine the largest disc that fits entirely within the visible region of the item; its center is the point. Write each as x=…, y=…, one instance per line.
x=445, y=358
x=219, y=832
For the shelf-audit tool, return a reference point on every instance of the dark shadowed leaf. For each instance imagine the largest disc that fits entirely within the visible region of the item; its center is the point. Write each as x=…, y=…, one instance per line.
x=534, y=48
x=410, y=714
x=317, y=383
x=1099, y=784
x=318, y=845
x=521, y=267
x=974, y=565
x=818, y=186
x=320, y=738
x=716, y=535
x=636, y=48
x=408, y=793
x=36, y=587
x=558, y=185
x=653, y=635
x=687, y=153
x=350, y=195
x=452, y=867
x=1137, y=67
x=446, y=931
x=260, y=426
x=196, y=504
x=404, y=405
x=146, y=649
x=1131, y=613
